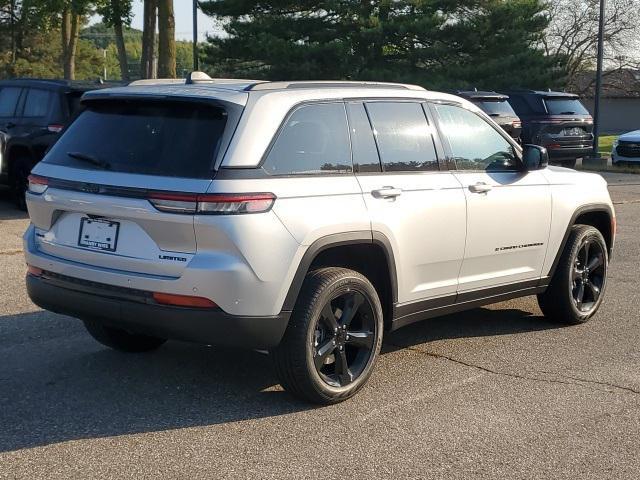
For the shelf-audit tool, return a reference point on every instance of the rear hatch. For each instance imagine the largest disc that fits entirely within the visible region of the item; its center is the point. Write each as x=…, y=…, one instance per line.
x=567, y=125
x=113, y=183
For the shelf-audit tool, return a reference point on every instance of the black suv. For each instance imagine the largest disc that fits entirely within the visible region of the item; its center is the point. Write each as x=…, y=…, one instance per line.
x=33, y=112
x=497, y=107
x=555, y=120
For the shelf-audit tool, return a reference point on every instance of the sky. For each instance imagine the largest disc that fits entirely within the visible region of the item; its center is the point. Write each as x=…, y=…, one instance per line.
x=183, y=11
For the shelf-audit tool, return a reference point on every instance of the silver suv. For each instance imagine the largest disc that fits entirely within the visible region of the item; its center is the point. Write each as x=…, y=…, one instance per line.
x=302, y=218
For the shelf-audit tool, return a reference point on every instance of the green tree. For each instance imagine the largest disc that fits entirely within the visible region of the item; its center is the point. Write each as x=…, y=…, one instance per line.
x=166, y=40
x=117, y=14
x=435, y=43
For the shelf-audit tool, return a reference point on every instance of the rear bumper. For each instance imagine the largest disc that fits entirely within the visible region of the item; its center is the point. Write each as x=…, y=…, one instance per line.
x=569, y=153
x=134, y=311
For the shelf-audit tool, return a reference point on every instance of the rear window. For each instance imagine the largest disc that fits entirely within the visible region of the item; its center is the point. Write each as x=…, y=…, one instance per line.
x=8, y=101
x=37, y=103
x=496, y=107
x=166, y=139
x=565, y=106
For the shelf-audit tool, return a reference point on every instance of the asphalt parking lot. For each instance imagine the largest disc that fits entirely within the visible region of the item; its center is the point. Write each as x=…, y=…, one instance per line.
x=497, y=392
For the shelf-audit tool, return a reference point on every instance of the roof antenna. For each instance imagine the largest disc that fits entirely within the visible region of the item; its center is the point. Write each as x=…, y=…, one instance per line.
x=198, y=77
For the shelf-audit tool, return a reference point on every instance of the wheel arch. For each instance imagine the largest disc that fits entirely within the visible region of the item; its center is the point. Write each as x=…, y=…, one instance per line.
x=369, y=253
x=600, y=216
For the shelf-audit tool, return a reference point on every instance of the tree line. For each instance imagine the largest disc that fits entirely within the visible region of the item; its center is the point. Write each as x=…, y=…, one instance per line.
x=435, y=43
x=26, y=24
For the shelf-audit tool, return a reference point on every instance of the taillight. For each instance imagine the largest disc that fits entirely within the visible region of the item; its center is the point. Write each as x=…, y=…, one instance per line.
x=35, y=271
x=37, y=184
x=183, y=300
x=212, y=203
x=55, y=128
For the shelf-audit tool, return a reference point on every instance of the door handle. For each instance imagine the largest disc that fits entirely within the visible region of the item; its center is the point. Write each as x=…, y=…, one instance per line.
x=386, y=192
x=480, y=187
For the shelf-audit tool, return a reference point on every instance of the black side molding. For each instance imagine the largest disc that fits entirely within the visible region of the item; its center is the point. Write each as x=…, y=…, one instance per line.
x=596, y=207
x=336, y=240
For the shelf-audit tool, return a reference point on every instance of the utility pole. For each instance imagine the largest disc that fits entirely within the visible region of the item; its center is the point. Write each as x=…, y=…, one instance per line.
x=598, y=92
x=196, y=62
x=13, y=31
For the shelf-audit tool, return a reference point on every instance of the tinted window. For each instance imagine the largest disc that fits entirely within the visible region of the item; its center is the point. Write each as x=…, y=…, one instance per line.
x=403, y=136
x=501, y=108
x=8, y=101
x=475, y=144
x=363, y=145
x=565, y=106
x=170, y=139
x=37, y=103
x=73, y=100
x=314, y=139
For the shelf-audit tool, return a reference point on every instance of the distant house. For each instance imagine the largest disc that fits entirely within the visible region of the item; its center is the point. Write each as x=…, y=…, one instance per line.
x=620, y=102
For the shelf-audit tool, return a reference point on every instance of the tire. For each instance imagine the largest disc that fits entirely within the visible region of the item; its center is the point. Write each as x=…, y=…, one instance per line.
x=569, y=163
x=121, y=340
x=329, y=348
x=575, y=293
x=18, y=181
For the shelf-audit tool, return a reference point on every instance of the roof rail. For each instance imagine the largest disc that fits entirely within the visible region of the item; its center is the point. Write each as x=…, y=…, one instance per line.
x=328, y=84
x=157, y=81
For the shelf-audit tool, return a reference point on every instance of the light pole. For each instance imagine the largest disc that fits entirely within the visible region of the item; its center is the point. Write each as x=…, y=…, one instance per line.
x=598, y=92
x=196, y=63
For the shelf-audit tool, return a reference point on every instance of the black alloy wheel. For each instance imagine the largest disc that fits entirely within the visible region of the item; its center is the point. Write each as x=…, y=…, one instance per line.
x=344, y=338
x=588, y=275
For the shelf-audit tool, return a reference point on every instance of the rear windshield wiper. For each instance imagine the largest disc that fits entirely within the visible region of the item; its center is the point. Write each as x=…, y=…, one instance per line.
x=494, y=115
x=567, y=113
x=90, y=159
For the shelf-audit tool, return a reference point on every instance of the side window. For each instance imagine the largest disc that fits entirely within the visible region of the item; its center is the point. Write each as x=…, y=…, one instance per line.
x=475, y=144
x=404, y=137
x=315, y=139
x=8, y=101
x=363, y=145
x=37, y=103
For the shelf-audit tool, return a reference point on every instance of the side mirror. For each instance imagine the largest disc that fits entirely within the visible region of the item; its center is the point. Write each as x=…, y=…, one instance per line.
x=534, y=157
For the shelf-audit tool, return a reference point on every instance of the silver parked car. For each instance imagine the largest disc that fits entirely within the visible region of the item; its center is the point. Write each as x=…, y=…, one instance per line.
x=626, y=149
x=303, y=218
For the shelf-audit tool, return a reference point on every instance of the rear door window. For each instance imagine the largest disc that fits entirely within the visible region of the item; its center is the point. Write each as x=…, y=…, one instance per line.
x=403, y=136
x=565, y=106
x=37, y=103
x=313, y=140
x=9, y=101
x=363, y=145
x=168, y=139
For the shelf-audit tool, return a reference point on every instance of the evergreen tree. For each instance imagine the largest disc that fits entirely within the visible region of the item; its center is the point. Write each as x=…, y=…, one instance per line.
x=435, y=43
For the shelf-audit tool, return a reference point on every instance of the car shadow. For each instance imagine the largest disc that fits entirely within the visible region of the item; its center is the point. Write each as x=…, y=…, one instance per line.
x=480, y=322
x=8, y=209
x=58, y=384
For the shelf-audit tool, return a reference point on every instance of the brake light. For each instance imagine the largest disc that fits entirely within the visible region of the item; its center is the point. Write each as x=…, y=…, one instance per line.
x=37, y=184
x=183, y=300
x=212, y=204
x=35, y=271
x=55, y=128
